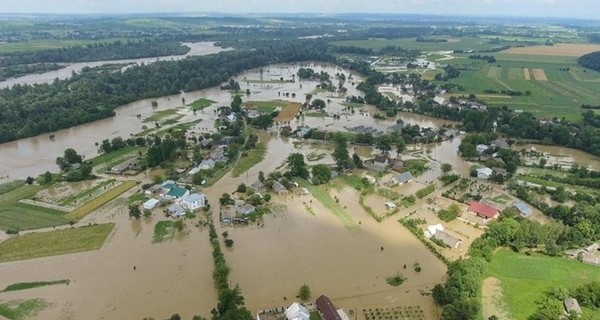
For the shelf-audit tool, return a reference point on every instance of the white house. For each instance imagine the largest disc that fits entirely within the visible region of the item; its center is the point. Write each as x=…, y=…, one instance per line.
x=207, y=164
x=433, y=229
x=481, y=148
x=297, y=312
x=390, y=205
x=194, y=201
x=150, y=204
x=484, y=173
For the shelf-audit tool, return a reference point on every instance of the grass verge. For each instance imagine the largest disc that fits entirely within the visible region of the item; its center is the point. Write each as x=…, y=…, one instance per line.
x=45, y=244
x=201, y=104
x=31, y=285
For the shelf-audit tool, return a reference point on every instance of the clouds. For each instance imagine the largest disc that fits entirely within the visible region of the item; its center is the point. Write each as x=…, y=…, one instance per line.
x=566, y=8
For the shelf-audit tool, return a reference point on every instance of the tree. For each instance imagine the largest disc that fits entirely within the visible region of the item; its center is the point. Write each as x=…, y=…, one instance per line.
x=400, y=145
x=236, y=104
x=298, y=166
x=304, y=292
x=241, y=188
x=357, y=161
x=384, y=143
x=72, y=157
x=340, y=153
x=318, y=104
x=225, y=199
x=261, y=177
x=229, y=243
x=29, y=180
x=446, y=168
x=47, y=177
x=321, y=174
x=134, y=211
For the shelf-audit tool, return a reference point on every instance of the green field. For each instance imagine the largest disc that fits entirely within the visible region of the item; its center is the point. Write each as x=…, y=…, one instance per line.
x=111, y=157
x=525, y=278
x=250, y=159
x=201, y=104
x=328, y=202
x=44, y=244
x=561, y=95
x=16, y=216
x=22, y=309
x=101, y=200
x=464, y=43
x=162, y=114
x=267, y=106
x=163, y=231
x=37, y=45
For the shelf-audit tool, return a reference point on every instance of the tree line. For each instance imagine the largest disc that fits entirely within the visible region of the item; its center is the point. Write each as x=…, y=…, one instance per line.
x=97, y=52
x=28, y=110
x=590, y=61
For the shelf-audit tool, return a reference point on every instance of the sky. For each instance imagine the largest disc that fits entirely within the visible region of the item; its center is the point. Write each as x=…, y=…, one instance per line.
x=588, y=9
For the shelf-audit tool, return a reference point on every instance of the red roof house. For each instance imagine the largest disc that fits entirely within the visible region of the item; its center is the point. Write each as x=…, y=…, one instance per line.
x=327, y=309
x=483, y=210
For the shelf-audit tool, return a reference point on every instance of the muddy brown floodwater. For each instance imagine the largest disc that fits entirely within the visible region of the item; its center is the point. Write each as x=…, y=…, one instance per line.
x=565, y=155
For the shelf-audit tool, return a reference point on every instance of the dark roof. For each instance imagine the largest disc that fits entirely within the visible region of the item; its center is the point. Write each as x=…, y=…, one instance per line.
x=327, y=309
x=381, y=158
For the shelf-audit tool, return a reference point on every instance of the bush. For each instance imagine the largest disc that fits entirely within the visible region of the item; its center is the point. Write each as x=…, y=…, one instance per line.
x=425, y=191
x=228, y=243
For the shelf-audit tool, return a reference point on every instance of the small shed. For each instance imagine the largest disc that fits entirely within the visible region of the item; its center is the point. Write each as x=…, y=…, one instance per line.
x=522, y=208
x=390, y=205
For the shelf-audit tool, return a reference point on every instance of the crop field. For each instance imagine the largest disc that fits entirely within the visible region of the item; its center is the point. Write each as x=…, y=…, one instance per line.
x=101, y=200
x=560, y=49
x=266, y=106
x=556, y=88
x=201, y=104
x=45, y=244
x=524, y=279
x=16, y=216
x=464, y=43
x=289, y=112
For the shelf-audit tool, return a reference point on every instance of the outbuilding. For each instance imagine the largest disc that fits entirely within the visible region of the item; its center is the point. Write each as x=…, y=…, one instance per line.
x=150, y=204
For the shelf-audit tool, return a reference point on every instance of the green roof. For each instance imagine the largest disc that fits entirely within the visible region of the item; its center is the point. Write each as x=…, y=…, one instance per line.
x=177, y=192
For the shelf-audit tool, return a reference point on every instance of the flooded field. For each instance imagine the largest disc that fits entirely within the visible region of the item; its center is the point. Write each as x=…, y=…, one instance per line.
x=564, y=156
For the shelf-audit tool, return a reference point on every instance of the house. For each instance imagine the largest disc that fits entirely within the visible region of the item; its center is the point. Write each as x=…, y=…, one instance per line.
x=481, y=148
x=522, y=208
x=390, y=205
x=297, y=312
x=302, y=132
x=500, y=143
x=433, y=229
x=153, y=189
x=206, y=143
x=125, y=166
x=279, y=188
x=450, y=241
x=176, y=211
x=397, y=127
x=231, y=117
x=371, y=179
x=194, y=171
x=194, y=201
x=206, y=164
x=483, y=211
x=326, y=309
x=178, y=192
x=572, y=306
x=150, y=204
x=257, y=186
x=381, y=159
x=245, y=209
x=404, y=177
x=484, y=173
x=451, y=133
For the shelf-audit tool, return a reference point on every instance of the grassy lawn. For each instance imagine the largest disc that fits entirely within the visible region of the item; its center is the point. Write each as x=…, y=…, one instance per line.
x=251, y=158
x=18, y=216
x=8, y=186
x=159, y=115
x=85, y=193
x=314, y=315
x=31, y=285
x=44, y=244
x=163, y=231
x=21, y=309
x=201, y=104
x=136, y=197
x=110, y=157
x=104, y=198
x=525, y=278
x=316, y=114
x=267, y=106
x=328, y=202
x=353, y=180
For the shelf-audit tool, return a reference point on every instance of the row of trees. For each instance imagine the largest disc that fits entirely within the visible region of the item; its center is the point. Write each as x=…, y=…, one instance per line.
x=590, y=61
x=117, y=50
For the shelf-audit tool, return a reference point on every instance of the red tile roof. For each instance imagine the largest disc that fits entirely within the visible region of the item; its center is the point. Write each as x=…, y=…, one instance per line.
x=327, y=309
x=483, y=210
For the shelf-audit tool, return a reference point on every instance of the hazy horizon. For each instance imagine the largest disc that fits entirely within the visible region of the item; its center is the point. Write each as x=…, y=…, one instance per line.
x=583, y=9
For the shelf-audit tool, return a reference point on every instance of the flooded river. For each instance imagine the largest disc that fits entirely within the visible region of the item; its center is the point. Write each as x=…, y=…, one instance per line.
x=197, y=49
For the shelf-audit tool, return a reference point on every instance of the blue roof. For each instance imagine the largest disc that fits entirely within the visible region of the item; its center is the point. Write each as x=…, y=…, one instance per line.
x=177, y=192
x=523, y=208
